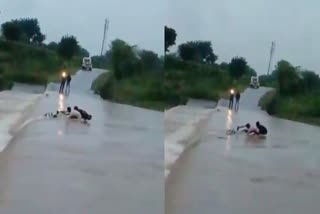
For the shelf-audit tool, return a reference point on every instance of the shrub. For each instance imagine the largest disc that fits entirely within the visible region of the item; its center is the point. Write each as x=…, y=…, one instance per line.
x=107, y=89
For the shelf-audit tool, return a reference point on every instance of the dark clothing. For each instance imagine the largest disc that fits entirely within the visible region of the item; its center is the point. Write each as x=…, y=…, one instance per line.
x=262, y=130
x=68, y=84
x=231, y=101
x=238, y=96
x=84, y=114
x=63, y=82
x=68, y=79
x=237, y=100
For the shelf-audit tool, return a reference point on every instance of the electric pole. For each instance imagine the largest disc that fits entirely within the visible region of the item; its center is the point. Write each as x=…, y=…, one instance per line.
x=106, y=28
x=271, y=55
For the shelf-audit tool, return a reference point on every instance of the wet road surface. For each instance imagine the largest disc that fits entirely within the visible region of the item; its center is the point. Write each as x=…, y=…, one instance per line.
x=114, y=165
x=240, y=174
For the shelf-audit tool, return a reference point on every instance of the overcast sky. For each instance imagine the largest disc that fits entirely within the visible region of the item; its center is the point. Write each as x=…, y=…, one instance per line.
x=139, y=22
x=235, y=27
x=247, y=28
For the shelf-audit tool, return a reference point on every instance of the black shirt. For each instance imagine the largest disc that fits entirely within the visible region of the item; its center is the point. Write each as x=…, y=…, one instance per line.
x=262, y=129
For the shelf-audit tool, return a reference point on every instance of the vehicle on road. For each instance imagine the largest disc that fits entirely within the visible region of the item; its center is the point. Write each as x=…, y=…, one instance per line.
x=87, y=64
x=254, y=83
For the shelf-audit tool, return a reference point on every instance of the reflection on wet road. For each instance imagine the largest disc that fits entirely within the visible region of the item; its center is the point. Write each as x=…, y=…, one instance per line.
x=241, y=174
x=113, y=165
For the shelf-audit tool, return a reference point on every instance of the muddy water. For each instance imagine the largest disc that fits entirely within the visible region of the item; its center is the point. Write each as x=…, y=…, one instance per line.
x=240, y=174
x=113, y=165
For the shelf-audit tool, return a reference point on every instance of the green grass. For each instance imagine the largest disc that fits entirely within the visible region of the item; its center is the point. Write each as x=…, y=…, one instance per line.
x=301, y=108
x=266, y=99
x=145, y=90
x=98, y=83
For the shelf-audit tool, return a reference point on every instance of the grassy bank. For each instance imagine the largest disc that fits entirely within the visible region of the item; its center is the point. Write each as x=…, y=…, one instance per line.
x=157, y=92
x=301, y=108
x=145, y=90
x=30, y=64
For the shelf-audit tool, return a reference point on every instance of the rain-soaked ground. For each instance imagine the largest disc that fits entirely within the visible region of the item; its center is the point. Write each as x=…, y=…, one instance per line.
x=239, y=174
x=114, y=165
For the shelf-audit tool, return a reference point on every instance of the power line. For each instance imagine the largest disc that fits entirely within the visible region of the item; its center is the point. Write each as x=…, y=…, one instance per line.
x=273, y=45
x=106, y=28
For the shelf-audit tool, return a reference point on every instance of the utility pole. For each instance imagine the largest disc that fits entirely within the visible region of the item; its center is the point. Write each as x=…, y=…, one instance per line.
x=273, y=45
x=106, y=28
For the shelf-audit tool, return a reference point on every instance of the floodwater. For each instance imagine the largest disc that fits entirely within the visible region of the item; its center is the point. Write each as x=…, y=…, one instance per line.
x=241, y=174
x=114, y=165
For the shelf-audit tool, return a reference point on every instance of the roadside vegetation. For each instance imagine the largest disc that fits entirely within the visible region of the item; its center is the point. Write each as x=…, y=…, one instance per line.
x=193, y=72
x=135, y=76
x=25, y=58
x=142, y=78
x=296, y=95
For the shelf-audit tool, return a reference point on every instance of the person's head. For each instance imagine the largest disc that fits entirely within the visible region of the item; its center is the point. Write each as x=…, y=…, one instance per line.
x=76, y=108
x=247, y=125
x=69, y=109
x=89, y=117
x=258, y=123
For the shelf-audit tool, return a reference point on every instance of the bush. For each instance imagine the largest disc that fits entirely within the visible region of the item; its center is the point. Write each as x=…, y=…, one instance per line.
x=289, y=83
x=107, y=89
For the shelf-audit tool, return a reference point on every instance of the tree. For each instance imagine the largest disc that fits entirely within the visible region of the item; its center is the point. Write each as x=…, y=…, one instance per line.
x=68, y=47
x=311, y=80
x=198, y=51
x=11, y=31
x=83, y=52
x=38, y=38
x=237, y=67
x=31, y=29
x=224, y=66
x=123, y=59
x=170, y=36
x=53, y=46
x=187, y=51
x=250, y=71
x=288, y=79
x=149, y=59
x=25, y=30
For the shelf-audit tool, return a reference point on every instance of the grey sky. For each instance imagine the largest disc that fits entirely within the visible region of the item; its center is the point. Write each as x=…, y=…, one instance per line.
x=247, y=28
x=139, y=22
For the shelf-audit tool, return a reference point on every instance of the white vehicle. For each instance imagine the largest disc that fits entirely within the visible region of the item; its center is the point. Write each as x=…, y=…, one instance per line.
x=254, y=83
x=87, y=64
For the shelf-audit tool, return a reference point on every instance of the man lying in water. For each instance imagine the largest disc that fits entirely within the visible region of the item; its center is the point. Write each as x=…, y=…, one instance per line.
x=258, y=130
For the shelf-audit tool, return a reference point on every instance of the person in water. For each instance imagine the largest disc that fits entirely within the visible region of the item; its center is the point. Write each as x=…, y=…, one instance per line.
x=258, y=130
x=84, y=115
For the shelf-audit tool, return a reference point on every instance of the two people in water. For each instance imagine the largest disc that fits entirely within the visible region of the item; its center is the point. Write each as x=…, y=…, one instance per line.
x=76, y=113
x=249, y=129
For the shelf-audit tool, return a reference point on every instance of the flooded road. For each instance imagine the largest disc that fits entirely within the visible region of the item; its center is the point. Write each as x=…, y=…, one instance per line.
x=240, y=174
x=113, y=165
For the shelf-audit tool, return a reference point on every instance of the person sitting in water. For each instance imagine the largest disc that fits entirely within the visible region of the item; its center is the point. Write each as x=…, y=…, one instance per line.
x=258, y=130
x=84, y=115
x=262, y=130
